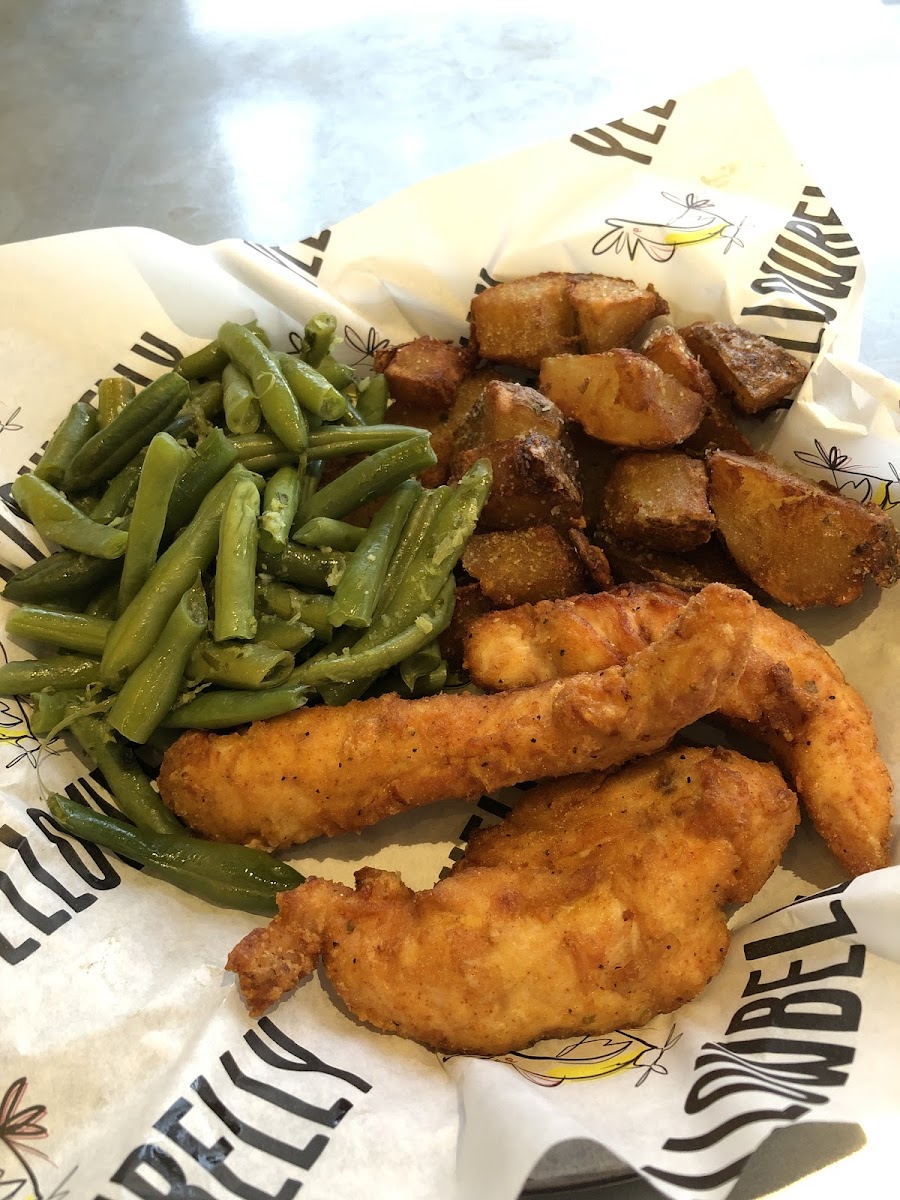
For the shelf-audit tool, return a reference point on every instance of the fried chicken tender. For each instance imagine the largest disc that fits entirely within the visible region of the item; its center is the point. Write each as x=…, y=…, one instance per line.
x=791, y=695
x=331, y=770
x=594, y=906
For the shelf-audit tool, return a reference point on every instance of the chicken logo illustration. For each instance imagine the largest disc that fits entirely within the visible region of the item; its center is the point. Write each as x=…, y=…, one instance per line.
x=694, y=223
x=593, y=1058
x=863, y=485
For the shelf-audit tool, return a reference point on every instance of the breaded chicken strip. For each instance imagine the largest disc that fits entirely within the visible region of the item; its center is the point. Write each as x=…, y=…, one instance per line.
x=792, y=696
x=594, y=906
x=330, y=770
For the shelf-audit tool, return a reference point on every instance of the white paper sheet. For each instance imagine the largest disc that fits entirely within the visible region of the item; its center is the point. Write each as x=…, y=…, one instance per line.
x=128, y=1063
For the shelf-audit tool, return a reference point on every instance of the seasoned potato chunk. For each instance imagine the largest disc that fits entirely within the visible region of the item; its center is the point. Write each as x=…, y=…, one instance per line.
x=425, y=372
x=507, y=409
x=526, y=320
x=658, y=500
x=595, y=461
x=524, y=565
x=534, y=483
x=464, y=430
x=622, y=398
x=717, y=431
x=691, y=571
x=668, y=349
x=610, y=311
x=424, y=416
x=749, y=367
x=471, y=602
x=523, y=321
x=593, y=559
x=800, y=543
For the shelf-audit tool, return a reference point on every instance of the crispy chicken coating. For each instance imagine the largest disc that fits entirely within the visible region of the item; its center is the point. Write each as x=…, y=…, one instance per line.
x=791, y=695
x=594, y=906
x=331, y=770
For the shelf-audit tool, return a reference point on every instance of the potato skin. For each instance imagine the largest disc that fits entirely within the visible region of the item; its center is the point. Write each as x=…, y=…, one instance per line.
x=755, y=371
x=535, y=483
x=658, y=499
x=622, y=398
x=802, y=544
x=523, y=566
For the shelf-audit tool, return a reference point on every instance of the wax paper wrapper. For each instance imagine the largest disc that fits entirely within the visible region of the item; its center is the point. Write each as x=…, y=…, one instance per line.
x=128, y=1064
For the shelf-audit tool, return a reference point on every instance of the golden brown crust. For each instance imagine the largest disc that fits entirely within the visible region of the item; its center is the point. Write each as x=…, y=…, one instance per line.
x=658, y=499
x=755, y=371
x=554, y=922
x=331, y=770
x=791, y=695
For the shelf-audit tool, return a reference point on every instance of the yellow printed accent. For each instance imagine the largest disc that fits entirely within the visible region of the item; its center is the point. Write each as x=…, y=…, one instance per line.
x=594, y=1070
x=687, y=237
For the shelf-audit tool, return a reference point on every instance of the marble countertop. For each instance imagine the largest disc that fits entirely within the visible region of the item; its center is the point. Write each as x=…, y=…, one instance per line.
x=217, y=118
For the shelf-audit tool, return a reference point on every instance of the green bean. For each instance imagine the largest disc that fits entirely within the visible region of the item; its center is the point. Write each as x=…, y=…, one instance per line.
x=222, y=710
x=318, y=336
x=424, y=672
x=328, y=533
x=112, y=396
x=379, y=473
x=339, y=375
x=132, y=790
x=372, y=400
x=50, y=709
x=261, y=447
x=250, y=665
x=72, y=631
x=165, y=461
x=276, y=399
x=76, y=428
x=352, y=418
x=363, y=665
x=335, y=441
x=310, y=473
x=305, y=565
x=141, y=624
x=214, y=458
x=357, y=594
x=151, y=689
x=311, y=389
x=86, y=502
x=280, y=502
x=111, y=448
x=104, y=602
x=286, y=635
x=231, y=876
x=120, y=492
x=236, y=565
x=211, y=360
x=21, y=678
x=440, y=550
x=290, y=605
x=57, y=520
x=242, y=411
x=59, y=577
x=207, y=399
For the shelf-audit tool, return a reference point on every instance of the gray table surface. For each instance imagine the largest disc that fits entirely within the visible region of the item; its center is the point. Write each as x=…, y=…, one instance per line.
x=270, y=120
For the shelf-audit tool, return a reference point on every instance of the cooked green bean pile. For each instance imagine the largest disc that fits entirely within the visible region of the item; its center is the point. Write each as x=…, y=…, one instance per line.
x=213, y=571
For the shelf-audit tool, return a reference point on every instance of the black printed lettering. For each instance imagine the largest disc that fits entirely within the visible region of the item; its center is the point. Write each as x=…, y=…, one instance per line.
x=599, y=139
x=702, y=1141
x=18, y=842
x=799, y=1011
x=14, y=954
x=852, y=966
x=212, y=1158
x=165, y=1167
x=782, y=943
x=107, y=878
x=307, y=1060
x=168, y=358
x=609, y=146
x=42, y=922
x=813, y=1062
x=702, y=1183
x=297, y=1156
x=329, y=1117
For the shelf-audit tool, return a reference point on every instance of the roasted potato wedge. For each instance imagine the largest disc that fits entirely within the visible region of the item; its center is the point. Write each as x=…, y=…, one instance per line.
x=535, y=483
x=506, y=410
x=658, y=500
x=752, y=369
x=622, y=398
x=523, y=566
x=717, y=431
x=802, y=544
x=526, y=320
x=691, y=571
x=668, y=349
x=425, y=372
